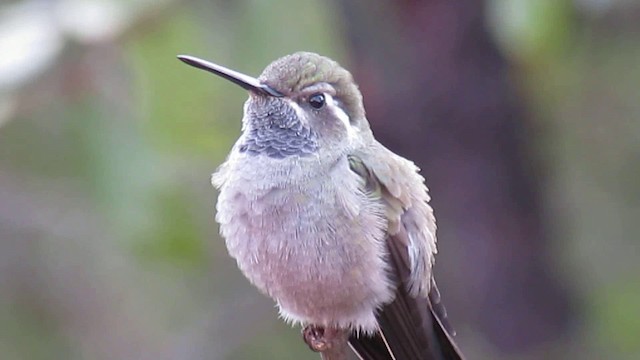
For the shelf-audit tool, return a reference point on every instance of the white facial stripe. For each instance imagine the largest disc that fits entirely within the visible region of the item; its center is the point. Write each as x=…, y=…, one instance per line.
x=298, y=110
x=340, y=114
x=337, y=112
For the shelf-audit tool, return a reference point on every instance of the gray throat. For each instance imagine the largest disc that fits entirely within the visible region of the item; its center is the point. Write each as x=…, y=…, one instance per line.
x=276, y=131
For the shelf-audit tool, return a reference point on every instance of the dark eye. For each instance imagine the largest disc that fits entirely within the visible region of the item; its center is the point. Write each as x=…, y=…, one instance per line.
x=316, y=101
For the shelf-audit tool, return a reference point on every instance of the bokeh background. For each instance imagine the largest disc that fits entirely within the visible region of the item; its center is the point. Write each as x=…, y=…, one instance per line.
x=524, y=116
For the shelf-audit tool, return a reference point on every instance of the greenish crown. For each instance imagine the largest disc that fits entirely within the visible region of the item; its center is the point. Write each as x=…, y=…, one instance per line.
x=292, y=73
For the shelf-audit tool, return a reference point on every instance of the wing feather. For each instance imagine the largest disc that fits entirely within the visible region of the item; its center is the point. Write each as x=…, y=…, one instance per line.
x=414, y=324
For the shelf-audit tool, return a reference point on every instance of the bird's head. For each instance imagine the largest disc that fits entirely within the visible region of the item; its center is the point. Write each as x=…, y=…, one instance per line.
x=300, y=104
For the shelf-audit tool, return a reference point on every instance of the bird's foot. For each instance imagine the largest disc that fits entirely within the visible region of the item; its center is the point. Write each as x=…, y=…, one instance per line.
x=321, y=339
x=330, y=342
x=314, y=336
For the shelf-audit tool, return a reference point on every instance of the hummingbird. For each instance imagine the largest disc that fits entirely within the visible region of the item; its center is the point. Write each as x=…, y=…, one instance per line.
x=321, y=217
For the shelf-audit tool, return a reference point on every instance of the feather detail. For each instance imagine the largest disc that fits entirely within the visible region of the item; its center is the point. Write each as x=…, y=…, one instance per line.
x=414, y=324
x=406, y=199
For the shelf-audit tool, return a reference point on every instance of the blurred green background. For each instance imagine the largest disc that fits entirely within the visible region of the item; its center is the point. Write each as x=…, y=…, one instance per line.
x=108, y=245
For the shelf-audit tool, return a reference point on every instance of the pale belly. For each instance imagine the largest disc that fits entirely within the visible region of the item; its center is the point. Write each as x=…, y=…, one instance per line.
x=318, y=253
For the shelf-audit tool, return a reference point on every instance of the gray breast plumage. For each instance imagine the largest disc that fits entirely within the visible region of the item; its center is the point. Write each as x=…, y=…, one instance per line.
x=312, y=240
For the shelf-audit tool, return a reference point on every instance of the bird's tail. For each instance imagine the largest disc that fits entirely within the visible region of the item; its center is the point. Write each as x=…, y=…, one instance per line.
x=410, y=329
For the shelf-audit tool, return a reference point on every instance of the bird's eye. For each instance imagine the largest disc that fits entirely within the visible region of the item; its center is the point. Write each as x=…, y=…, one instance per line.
x=316, y=100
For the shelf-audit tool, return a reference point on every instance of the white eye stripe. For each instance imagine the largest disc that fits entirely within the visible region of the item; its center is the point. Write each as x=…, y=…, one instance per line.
x=298, y=110
x=339, y=113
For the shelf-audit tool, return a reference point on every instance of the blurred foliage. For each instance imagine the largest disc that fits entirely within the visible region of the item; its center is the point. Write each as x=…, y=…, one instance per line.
x=108, y=247
x=617, y=316
x=532, y=30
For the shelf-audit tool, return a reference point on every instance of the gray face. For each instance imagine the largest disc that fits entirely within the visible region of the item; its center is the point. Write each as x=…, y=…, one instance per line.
x=274, y=129
x=300, y=104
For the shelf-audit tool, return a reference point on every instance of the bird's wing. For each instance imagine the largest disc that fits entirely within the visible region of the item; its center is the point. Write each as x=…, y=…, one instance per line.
x=414, y=324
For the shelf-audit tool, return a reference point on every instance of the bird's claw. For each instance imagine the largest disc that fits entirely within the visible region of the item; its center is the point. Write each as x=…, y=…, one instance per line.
x=315, y=337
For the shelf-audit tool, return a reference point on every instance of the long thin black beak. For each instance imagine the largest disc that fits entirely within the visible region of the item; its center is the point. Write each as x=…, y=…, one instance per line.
x=247, y=82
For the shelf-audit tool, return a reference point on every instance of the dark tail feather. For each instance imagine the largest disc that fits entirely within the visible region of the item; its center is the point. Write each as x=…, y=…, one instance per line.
x=369, y=347
x=410, y=330
x=444, y=330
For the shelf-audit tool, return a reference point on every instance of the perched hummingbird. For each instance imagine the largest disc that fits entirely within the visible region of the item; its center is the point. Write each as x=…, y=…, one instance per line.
x=324, y=219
